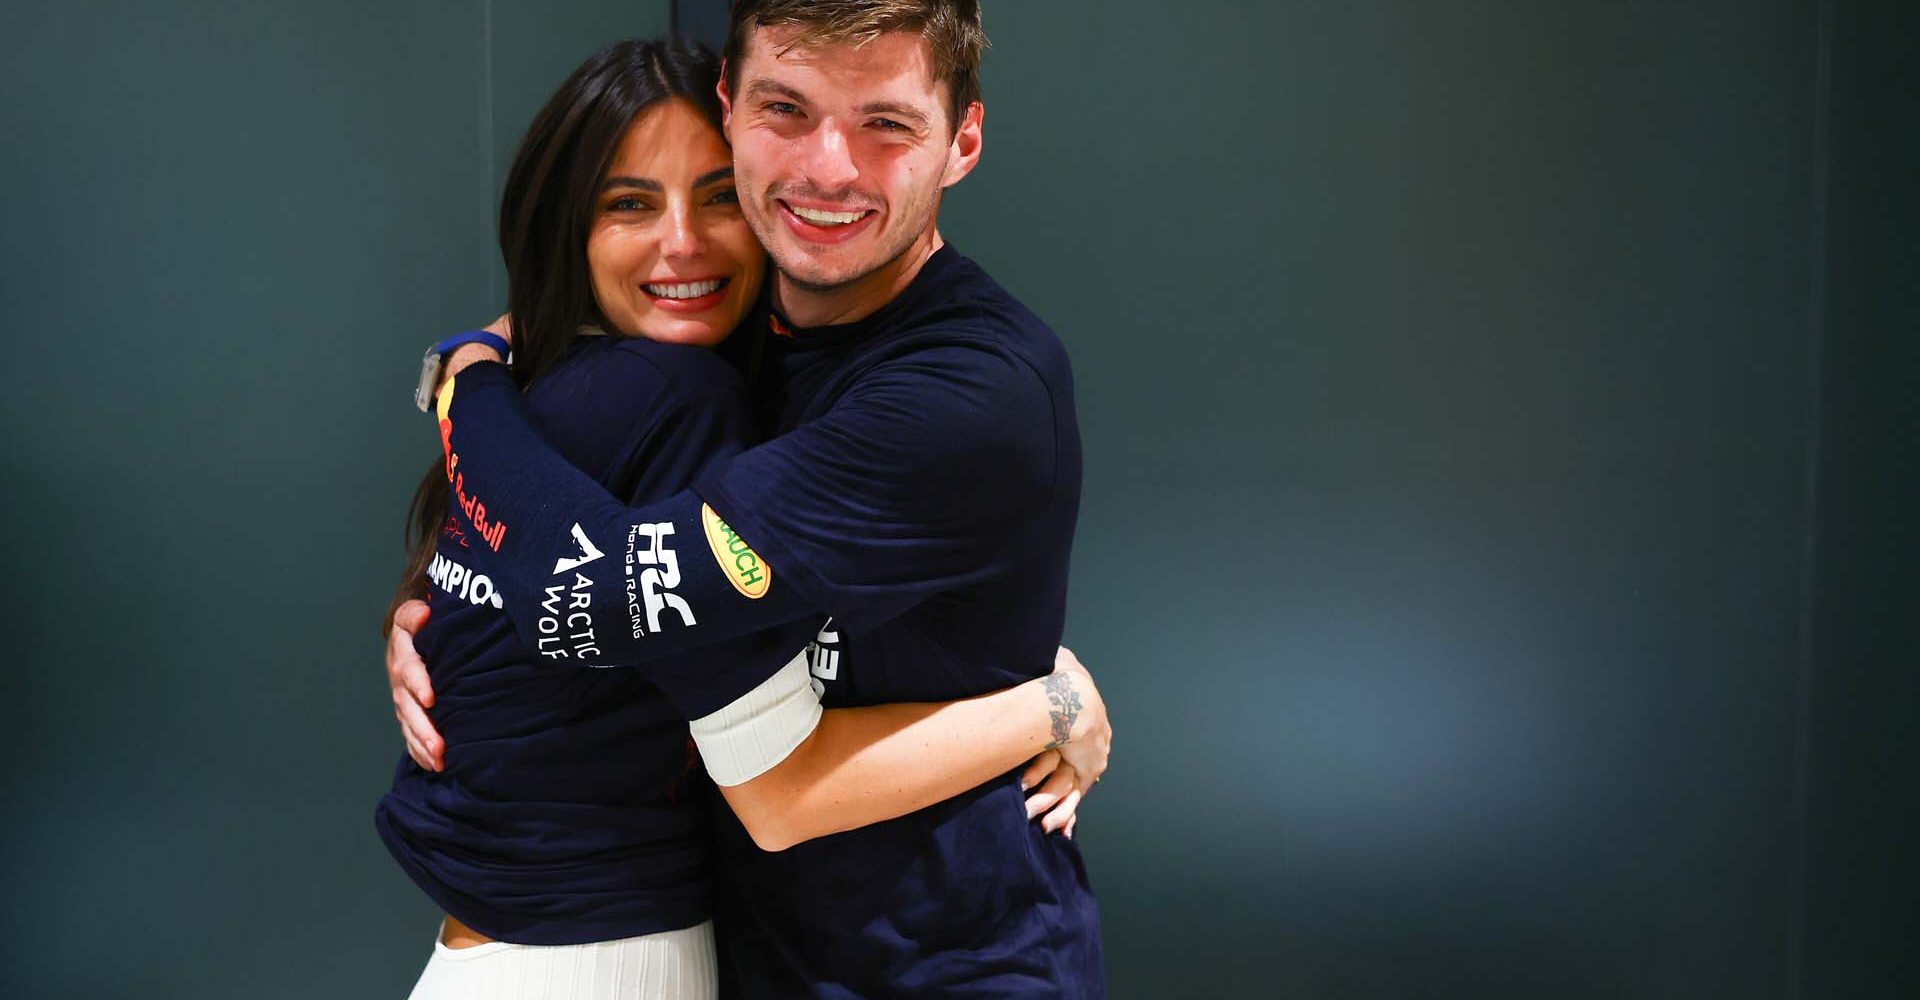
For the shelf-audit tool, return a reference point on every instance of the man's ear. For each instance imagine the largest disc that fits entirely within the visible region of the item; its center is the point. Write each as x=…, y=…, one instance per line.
x=726, y=99
x=964, y=152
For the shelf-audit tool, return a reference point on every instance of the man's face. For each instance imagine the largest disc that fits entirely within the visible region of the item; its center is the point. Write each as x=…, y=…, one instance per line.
x=841, y=151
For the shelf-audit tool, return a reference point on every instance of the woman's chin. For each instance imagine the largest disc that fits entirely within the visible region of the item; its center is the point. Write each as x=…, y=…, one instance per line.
x=700, y=330
x=692, y=332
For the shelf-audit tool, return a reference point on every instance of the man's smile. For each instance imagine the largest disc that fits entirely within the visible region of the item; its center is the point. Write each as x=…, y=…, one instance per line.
x=818, y=224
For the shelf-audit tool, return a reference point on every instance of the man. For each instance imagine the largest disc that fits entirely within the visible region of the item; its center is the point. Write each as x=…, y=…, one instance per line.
x=922, y=490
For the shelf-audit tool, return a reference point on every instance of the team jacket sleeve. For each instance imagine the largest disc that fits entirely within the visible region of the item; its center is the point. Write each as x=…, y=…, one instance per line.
x=587, y=579
x=723, y=680
x=922, y=480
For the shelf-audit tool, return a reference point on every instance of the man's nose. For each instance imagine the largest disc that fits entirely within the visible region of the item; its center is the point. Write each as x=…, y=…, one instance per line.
x=683, y=236
x=827, y=160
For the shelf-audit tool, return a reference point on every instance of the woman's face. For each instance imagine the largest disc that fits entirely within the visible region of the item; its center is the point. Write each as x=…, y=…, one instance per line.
x=671, y=255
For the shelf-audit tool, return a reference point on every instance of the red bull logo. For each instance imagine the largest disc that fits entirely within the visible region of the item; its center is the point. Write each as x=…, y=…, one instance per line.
x=490, y=531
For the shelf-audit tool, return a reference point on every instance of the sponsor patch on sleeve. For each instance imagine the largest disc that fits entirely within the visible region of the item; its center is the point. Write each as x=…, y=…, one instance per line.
x=741, y=565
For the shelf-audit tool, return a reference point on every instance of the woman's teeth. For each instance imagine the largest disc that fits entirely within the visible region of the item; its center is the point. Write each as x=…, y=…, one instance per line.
x=820, y=218
x=690, y=290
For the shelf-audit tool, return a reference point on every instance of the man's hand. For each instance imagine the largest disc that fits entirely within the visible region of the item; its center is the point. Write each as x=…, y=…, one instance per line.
x=412, y=689
x=1082, y=741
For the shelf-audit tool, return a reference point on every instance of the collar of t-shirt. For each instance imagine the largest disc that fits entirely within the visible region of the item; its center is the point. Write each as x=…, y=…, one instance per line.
x=932, y=276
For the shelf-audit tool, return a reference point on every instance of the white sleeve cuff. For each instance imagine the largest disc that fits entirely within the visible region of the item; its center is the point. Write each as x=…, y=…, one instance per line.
x=760, y=728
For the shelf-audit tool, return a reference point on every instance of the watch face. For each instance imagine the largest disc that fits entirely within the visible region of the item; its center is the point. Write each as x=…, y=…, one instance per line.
x=429, y=379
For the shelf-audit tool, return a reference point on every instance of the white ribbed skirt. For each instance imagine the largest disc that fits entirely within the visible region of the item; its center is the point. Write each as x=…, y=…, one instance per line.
x=670, y=965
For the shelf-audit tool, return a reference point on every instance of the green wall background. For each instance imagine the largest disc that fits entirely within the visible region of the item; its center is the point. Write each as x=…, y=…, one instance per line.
x=1444, y=371
x=1496, y=550
x=228, y=230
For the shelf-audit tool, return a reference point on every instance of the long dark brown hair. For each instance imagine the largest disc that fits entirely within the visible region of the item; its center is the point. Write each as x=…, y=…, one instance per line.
x=546, y=213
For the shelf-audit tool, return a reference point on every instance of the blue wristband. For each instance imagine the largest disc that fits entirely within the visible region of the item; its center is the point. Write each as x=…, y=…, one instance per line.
x=492, y=340
x=437, y=357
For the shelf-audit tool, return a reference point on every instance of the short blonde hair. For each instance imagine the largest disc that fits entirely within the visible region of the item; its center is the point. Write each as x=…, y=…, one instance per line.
x=950, y=28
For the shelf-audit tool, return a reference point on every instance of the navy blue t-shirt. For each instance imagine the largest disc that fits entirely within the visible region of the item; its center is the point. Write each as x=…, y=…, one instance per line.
x=572, y=808
x=923, y=492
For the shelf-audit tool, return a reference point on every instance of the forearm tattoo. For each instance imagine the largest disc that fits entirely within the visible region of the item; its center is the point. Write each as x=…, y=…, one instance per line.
x=1065, y=701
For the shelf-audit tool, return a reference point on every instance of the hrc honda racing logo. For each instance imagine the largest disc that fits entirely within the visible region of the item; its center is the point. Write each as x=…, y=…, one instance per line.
x=653, y=571
x=566, y=623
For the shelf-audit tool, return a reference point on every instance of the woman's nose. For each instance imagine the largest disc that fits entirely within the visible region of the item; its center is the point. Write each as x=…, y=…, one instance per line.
x=683, y=236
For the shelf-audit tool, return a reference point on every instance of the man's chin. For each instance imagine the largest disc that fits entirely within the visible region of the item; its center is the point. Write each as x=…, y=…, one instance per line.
x=820, y=282
x=805, y=270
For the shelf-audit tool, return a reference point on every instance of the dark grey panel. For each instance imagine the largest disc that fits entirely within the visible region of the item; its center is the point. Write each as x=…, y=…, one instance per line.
x=1863, y=873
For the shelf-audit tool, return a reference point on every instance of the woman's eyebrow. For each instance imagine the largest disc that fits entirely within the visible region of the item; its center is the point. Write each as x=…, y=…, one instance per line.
x=649, y=184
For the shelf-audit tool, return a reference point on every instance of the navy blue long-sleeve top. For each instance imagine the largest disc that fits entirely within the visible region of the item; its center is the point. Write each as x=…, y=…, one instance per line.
x=572, y=807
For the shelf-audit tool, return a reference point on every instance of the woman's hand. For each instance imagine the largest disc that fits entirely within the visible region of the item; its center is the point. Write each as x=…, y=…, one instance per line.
x=1052, y=789
x=467, y=354
x=1083, y=738
x=413, y=689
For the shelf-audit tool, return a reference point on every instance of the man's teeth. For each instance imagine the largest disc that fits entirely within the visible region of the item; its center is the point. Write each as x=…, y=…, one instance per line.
x=820, y=218
x=691, y=290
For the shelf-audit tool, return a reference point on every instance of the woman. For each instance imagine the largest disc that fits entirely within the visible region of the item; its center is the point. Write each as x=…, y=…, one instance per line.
x=566, y=836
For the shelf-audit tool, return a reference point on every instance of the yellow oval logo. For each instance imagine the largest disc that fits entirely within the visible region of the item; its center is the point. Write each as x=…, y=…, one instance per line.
x=738, y=562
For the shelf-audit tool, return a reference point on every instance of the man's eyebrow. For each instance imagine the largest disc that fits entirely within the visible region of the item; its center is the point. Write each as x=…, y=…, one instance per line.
x=767, y=88
x=763, y=87
x=912, y=114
